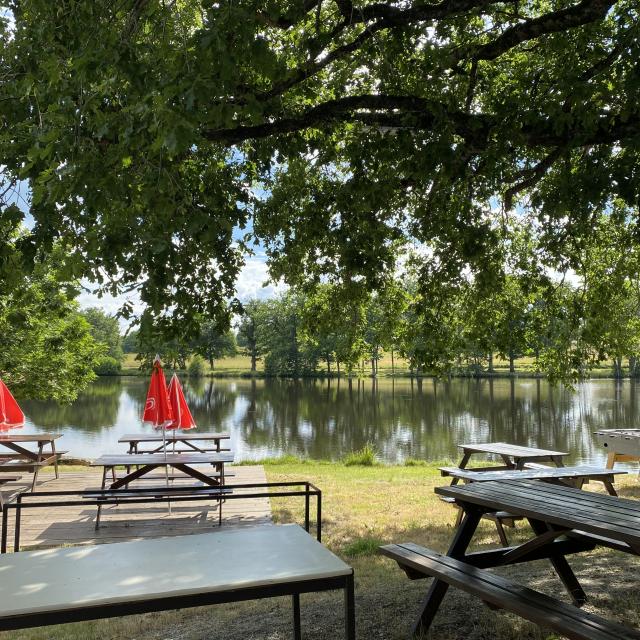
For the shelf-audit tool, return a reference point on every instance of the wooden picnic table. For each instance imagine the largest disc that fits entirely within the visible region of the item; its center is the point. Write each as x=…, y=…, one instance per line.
x=514, y=456
x=24, y=459
x=147, y=462
x=107, y=580
x=564, y=520
x=185, y=438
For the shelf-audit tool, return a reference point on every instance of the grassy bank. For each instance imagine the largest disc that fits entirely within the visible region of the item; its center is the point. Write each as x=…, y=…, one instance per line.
x=240, y=366
x=363, y=507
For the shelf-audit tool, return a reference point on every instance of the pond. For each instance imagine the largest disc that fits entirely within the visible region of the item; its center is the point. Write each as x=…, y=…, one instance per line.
x=323, y=419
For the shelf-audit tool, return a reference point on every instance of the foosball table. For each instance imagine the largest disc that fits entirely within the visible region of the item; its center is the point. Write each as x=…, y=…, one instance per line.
x=622, y=445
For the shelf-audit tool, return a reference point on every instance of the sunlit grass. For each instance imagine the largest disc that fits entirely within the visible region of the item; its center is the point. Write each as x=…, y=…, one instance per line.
x=363, y=507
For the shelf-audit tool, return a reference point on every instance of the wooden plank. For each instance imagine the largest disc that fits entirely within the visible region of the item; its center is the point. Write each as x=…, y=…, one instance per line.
x=512, y=450
x=527, y=603
x=29, y=437
x=132, y=459
x=559, y=505
x=75, y=525
x=157, y=437
x=538, y=473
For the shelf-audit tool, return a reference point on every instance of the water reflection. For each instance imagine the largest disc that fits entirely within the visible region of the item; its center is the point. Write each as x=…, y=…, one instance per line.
x=324, y=419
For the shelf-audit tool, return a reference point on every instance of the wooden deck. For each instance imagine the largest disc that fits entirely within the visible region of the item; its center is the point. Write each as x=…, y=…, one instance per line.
x=61, y=526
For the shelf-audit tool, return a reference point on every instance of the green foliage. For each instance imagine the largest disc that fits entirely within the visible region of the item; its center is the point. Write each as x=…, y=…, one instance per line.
x=106, y=331
x=253, y=319
x=212, y=343
x=47, y=351
x=364, y=457
x=108, y=366
x=197, y=367
x=130, y=342
x=149, y=132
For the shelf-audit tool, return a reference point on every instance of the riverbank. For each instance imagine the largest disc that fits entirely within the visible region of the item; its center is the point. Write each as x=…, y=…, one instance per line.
x=363, y=507
x=239, y=366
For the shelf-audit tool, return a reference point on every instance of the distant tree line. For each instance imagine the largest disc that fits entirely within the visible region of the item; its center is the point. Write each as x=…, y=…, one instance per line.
x=564, y=325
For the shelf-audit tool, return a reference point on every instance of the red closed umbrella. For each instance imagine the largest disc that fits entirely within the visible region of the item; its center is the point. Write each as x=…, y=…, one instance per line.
x=182, y=418
x=11, y=416
x=157, y=409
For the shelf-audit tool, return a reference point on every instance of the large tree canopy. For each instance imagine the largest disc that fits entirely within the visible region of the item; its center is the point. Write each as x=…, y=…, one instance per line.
x=144, y=127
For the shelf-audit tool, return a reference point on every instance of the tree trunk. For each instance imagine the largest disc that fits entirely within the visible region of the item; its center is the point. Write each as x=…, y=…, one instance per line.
x=512, y=368
x=328, y=367
x=338, y=367
x=633, y=364
x=491, y=369
x=211, y=362
x=253, y=361
x=393, y=367
x=617, y=367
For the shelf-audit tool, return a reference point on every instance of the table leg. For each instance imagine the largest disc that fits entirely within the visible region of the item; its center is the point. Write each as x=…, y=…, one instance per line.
x=608, y=485
x=462, y=465
x=297, y=633
x=349, y=609
x=130, y=477
x=564, y=571
x=438, y=589
x=55, y=460
x=194, y=473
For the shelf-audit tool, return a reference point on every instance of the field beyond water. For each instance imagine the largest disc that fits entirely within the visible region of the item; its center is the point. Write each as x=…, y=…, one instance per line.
x=240, y=365
x=363, y=507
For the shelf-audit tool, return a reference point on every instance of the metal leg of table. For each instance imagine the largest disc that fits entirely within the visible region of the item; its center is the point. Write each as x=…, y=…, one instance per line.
x=438, y=589
x=297, y=633
x=349, y=609
x=563, y=569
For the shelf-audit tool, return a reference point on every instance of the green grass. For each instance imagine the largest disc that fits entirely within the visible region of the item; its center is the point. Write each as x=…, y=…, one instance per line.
x=364, y=507
x=240, y=366
x=365, y=457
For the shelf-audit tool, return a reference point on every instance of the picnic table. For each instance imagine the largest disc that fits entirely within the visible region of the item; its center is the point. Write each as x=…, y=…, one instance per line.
x=186, y=439
x=147, y=462
x=513, y=456
x=564, y=520
x=102, y=581
x=24, y=459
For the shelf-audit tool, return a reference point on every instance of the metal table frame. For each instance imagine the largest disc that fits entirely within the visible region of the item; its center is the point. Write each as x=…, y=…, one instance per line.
x=103, y=497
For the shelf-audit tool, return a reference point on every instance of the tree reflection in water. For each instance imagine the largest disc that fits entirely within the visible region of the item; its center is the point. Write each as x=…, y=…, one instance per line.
x=420, y=418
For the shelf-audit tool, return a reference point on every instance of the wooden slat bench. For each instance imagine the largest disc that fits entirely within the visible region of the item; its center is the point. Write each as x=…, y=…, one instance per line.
x=532, y=605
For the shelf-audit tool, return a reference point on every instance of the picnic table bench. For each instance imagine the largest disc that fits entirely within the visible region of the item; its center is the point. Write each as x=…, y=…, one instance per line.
x=23, y=459
x=565, y=520
x=107, y=580
x=186, y=439
x=147, y=462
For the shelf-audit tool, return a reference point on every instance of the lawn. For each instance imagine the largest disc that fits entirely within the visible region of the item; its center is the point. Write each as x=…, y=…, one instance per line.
x=240, y=365
x=363, y=507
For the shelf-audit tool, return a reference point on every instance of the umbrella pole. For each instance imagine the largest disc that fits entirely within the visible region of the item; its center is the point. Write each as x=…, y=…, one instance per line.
x=166, y=466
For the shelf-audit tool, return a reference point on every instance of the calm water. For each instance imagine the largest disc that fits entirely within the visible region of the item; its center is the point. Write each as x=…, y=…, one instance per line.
x=320, y=419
